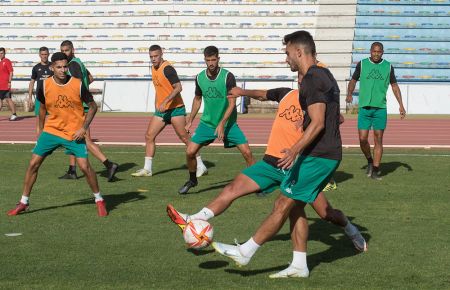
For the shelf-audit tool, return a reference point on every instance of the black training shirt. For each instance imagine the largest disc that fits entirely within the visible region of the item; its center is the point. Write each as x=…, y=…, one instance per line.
x=39, y=73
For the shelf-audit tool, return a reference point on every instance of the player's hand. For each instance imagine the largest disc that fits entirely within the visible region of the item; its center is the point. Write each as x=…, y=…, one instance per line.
x=162, y=107
x=288, y=159
x=236, y=91
x=188, y=126
x=349, y=99
x=341, y=119
x=402, y=112
x=220, y=131
x=79, y=135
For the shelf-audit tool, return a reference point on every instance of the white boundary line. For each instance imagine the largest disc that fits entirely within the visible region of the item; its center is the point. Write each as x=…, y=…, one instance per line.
x=220, y=145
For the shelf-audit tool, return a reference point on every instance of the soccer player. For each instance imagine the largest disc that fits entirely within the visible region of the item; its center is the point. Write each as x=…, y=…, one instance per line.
x=375, y=75
x=78, y=70
x=62, y=97
x=219, y=116
x=319, y=152
x=6, y=74
x=169, y=109
x=266, y=175
x=39, y=73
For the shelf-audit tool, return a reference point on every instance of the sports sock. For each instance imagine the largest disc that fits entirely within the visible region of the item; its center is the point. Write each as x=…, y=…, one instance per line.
x=24, y=199
x=107, y=163
x=148, y=163
x=193, y=176
x=299, y=260
x=249, y=248
x=98, y=197
x=199, y=161
x=350, y=229
x=72, y=169
x=204, y=214
x=369, y=160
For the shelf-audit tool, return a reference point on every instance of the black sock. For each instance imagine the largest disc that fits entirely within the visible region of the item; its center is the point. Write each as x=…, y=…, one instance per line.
x=193, y=176
x=107, y=163
x=376, y=168
x=369, y=160
x=72, y=169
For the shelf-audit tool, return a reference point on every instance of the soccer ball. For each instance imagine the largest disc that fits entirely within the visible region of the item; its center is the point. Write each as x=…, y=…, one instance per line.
x=198, y=234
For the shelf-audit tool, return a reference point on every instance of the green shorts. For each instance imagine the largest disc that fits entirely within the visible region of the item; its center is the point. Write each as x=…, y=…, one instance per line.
x=37, y=105
x=267, y=177
x=169, y=114
x=308, y=177
x=47, y=143
x=205, y=135
x=369, y=117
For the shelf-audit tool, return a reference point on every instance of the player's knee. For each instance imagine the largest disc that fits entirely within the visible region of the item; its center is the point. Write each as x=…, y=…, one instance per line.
x=190, y=152
x=281, y=206
x=34, y=165
x=149, y=138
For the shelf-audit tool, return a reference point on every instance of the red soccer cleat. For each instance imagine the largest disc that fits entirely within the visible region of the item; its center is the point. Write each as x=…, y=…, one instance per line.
x=101, y=208
x=19, y=208
x=176, y=217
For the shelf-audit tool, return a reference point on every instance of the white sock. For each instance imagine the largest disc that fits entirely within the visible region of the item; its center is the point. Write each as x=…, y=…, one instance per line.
x=148, y=163
x=299, y=260
x=199, y=161
x=350, y=229
x=98, y=197
x=24, y=199
x=249, y=248
x=204, y=214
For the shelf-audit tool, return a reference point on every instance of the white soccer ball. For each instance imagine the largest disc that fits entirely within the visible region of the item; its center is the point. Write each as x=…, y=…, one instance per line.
x=198, y=234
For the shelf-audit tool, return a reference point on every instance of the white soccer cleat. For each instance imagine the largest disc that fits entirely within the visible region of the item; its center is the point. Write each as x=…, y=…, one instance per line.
x=201, y=170
x=359, y=242
x=291, y=272
x=13, y=117
x=142, y=173
x=231, y=252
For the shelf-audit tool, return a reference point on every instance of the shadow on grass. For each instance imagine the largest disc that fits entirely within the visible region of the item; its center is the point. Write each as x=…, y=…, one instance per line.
x=184, y=167
x=215, y=185
x=210, y=265
x=200, y=252
x=341, y=176
x=123, y=167
x=390, y=167
x=339, y=244
x=112, y=201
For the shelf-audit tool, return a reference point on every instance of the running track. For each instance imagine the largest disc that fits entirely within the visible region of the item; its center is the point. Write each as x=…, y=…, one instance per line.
x=130, y=130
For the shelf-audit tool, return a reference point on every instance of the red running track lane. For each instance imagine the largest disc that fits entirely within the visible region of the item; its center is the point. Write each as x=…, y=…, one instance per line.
x=406, y=132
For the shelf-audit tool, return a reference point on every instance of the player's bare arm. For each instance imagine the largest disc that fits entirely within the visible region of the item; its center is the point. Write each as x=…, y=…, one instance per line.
x=316, y=112
x=260, y=95
x=79, y=135
x=42, y=114
x=398, y=96
x=220, y=130
x=196, y=103
x=30, y=91
x=350, y=90
x=177, y=88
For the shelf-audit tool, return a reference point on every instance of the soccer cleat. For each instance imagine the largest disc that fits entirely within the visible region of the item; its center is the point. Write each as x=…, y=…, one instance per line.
x=376, y=175
x=330, y=186
x=231, y=252
x=201, y=170
x=112, y=171
x=291, y=272
x=13, y=117
x=180, y=219
x=141, y=173
x=101, y=208
x=19, y=208
x=359, y=242
x=369, y=169
x=188, y=185
x=69, y=175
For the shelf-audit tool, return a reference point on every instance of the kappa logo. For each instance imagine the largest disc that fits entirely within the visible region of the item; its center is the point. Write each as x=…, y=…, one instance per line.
x=375, y=75
x=63, y=102
x=213, y=93
x=292, y=114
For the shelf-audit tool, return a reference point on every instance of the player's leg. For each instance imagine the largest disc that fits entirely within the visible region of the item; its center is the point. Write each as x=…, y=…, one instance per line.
x=179, y=123
x=12, y=107
x=235, y=137
x=299, y=236
x=72, y=170
x=246, y=153
x=379, y=125
x=91, y=178
x=326, y=212
x=155, y=126
x=191, y=160
x=365, y=120
x=95, y=150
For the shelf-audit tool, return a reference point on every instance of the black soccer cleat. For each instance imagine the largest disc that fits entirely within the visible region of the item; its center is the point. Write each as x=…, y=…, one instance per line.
x=369, y=169
x=376, y=174
x=69, y=175
x=188, y=185
x=112, y=171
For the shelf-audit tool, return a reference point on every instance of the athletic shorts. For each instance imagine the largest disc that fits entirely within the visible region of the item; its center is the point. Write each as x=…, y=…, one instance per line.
x=169, y=114
x=47, y=143
x=5, y=95
x=267, y=177
x=37, y=106
x=308, y=177
x=205, y=135
x=371, y=117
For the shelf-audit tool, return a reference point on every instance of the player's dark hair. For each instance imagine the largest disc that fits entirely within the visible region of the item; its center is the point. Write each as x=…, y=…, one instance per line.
x=303, y=38
x=154, y=47
x=43, y=48
x=67, y=43
x=2, y=49
x=376, y=43
x=211, y=51
x=58, y=56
